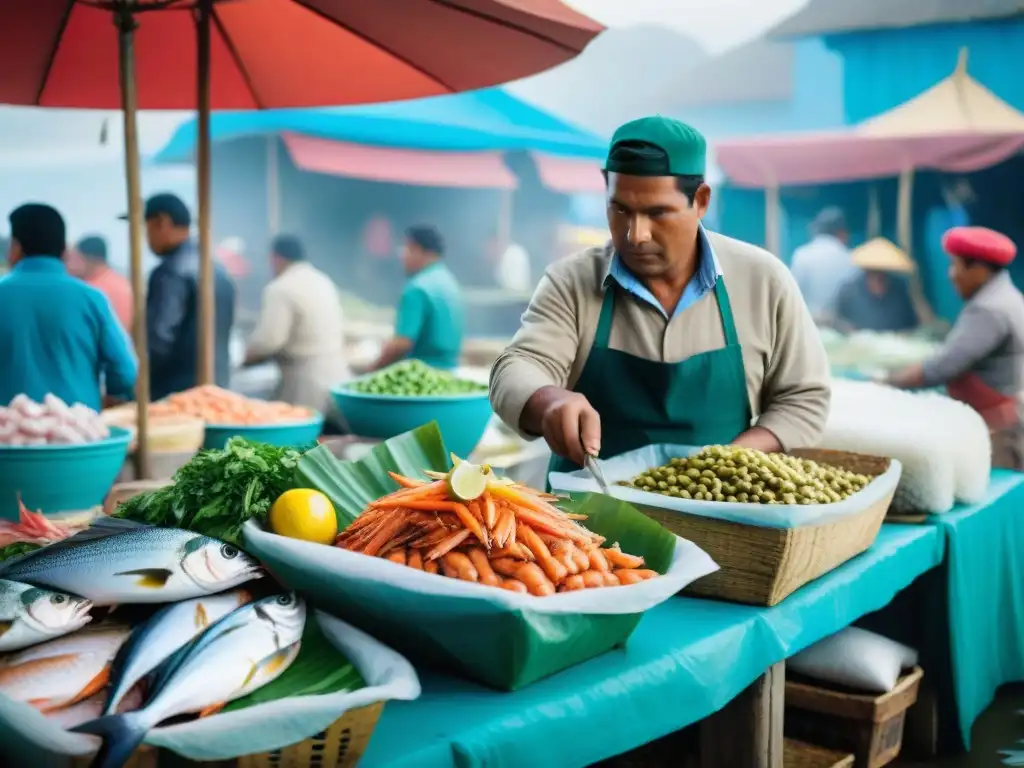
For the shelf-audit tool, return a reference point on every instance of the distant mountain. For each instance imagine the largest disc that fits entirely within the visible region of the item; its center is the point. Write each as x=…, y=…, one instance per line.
x=619, y=76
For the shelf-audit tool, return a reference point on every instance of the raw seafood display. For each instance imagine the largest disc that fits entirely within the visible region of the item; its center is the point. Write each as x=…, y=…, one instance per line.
x=249, y=648
x=62, y=672
x=34, y=528
x=220, y=407
x=117, y=562
x=51, y=422
x=31, y=615
x=468, y=524
x=412, y=378
x=169, y=630
x=747, y=476
x=187, y=657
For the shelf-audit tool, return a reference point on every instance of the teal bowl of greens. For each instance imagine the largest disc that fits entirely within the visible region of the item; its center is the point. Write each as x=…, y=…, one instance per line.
x=295, y=434
x=410, y=394
x=60, y=478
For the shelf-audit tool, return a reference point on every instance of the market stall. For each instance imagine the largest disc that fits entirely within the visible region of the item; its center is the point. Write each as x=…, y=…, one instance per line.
x=957, y=126
x=545, y=629
x=687, y=660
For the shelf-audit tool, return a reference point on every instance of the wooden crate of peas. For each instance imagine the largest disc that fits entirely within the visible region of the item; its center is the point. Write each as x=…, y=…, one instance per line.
x=763, y=565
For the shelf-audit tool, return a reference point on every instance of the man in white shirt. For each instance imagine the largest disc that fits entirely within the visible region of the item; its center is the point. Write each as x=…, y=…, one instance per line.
x=822, y=266
x=300, y=328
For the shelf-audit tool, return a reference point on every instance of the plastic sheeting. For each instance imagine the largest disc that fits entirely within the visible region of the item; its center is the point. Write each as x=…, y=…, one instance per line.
x=985, y=565
x=687, y=659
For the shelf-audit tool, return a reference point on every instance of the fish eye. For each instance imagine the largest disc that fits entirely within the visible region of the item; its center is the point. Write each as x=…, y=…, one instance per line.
x=284, y=600
x=58, y=599
x=229, y=552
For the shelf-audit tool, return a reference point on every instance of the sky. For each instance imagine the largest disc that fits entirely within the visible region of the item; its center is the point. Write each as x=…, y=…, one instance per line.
x=717, y=24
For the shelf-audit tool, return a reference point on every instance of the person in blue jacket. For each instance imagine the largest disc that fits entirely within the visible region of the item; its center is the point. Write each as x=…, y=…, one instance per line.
x=57, y=335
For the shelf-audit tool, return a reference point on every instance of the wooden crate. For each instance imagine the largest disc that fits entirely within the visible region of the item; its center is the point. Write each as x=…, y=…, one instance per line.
x=797, y=754
x=869, y=726
x=763, y=566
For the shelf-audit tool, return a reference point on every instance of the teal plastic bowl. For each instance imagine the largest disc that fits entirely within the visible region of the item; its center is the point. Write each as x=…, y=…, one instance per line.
x=60, y=478
x=462, y=419
x=296, y=434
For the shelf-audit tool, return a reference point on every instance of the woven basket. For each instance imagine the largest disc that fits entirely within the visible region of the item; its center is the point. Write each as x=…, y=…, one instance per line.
x=763, y=566
x=340, y=746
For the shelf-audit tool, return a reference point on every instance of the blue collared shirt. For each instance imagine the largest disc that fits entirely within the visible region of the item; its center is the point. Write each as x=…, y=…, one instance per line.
x=702, y=282
x=59, y=335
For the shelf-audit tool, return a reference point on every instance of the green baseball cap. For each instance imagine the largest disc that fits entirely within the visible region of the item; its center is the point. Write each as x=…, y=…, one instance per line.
x=657, y=146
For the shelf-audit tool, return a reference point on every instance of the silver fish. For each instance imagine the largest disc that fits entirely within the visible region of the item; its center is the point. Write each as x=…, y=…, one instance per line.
x=164, y=633
x=246, y=650
x=30, y=615
x=116, y=562
x=91, y=708
x=62, y=672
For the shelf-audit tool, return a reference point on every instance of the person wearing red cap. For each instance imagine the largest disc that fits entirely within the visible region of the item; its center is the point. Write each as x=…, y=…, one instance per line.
x=982, y=360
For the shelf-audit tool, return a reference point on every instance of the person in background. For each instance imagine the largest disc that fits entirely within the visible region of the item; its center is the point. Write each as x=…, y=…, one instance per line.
x=952, y=212
x=981, y=362
x=877, y=297
x=172, y=302
x=300, y=328
x=822, y=266
x=512, y=265
x=88, y=261
x=669, y=333
x=57, y=334
x=429, y=325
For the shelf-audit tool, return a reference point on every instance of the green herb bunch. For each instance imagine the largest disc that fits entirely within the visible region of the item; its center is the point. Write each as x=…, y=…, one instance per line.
x=219, y=490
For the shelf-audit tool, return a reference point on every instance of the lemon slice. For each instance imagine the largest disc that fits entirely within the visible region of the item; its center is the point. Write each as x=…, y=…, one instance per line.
x=468, y=481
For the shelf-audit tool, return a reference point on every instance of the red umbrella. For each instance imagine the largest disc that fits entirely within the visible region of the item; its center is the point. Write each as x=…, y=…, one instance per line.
x=246, y=54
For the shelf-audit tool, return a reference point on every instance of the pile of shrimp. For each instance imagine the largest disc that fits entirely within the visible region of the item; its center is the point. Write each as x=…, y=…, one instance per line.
x=34, y=528
x=511, y=537
x=219, y=406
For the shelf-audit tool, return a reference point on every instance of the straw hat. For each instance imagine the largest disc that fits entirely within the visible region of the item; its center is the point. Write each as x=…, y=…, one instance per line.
x=880, y=255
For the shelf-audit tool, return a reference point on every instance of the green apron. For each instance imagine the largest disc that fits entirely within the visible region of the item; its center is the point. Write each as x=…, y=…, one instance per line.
x=701, y=400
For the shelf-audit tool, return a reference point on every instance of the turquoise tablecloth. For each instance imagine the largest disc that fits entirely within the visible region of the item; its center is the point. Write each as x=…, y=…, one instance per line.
x=985, y=583
x=687, y=659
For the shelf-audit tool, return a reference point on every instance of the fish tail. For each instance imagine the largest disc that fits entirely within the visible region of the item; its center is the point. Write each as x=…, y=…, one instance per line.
x=121, y=734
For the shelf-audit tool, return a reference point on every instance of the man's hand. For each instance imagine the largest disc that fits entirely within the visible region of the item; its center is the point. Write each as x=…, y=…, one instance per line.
x=566, y=420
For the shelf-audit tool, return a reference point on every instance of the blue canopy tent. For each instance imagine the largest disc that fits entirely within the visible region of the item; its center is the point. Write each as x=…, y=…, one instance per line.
x=452, y=160
x=479, y=121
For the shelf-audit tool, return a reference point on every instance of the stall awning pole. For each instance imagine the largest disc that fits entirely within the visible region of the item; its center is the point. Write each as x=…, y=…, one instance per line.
x=126, y=62
x=773, y=220
x=273, y=186
x=207, y=306
x=905, y=234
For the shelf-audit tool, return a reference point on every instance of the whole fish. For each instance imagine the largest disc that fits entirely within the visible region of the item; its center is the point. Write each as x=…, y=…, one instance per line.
x=64, y=671
x=116, y=561
x=244, y=651
x=30, y=615
x=167, y=631
x=91, y=708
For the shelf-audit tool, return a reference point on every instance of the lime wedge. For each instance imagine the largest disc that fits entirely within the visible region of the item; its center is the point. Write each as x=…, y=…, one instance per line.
x=468, y=481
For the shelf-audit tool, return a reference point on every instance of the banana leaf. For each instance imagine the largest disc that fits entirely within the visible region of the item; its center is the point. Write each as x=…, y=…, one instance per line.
x=493, y=636
x=352, y=485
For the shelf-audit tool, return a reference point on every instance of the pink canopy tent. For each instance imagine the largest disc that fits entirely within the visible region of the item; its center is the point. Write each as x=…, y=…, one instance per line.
x=957, y=125
x=823, y=158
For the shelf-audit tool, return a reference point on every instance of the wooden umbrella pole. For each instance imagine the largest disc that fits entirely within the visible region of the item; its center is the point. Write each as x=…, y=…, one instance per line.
x=126, y=46
x=207, y=298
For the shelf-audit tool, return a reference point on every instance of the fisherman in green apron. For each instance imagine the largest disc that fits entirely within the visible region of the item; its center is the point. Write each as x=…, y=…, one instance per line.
x=669, y=333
